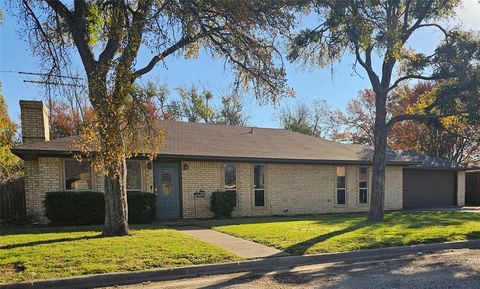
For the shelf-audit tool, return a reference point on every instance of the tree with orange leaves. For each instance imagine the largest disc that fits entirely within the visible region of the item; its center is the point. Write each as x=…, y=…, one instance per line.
x=452, y=137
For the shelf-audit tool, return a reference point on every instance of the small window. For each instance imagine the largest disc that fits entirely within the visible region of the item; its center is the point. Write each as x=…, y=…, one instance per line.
x=78, y=176
x=166, y=183
x=134, y=176
x=259, y=185
x=231, y=179
x=363, y=185
x=341, y=186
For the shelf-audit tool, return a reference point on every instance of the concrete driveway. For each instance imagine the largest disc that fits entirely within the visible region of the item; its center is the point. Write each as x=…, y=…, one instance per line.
x=446, y=269
x=452, y=209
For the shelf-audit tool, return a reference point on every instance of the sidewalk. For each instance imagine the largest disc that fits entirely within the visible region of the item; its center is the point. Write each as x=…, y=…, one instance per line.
x=240, y=247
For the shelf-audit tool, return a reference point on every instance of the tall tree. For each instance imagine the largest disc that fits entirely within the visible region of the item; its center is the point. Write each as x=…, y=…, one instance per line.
x=231, y=111
x=452, y=138
x=316, y=120
x=67, y=120
x=158, y=102
x=196, y=105
x=296, y=119
x=381, y=29
x=358, y=120
x=10, y=164
x=108, y=36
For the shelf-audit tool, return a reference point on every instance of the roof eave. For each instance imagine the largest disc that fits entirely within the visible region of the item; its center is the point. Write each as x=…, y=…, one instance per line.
x=28, y=154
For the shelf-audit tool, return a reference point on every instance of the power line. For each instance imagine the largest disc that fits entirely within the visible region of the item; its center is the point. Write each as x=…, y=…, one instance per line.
x=41, y=74
x=52, y=83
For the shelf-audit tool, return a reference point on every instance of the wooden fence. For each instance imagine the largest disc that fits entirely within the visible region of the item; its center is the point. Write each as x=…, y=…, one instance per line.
x=12, y=199
x=472, y=189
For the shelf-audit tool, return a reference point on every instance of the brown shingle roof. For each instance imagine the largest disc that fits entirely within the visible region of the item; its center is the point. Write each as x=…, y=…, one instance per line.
x=208, y=141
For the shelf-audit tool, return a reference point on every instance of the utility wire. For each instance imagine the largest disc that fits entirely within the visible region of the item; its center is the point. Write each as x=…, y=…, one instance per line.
x=41, y=74
x=52, y=83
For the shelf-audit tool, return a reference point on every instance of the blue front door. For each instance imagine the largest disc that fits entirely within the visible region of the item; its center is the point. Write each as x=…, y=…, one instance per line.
x=168, y=190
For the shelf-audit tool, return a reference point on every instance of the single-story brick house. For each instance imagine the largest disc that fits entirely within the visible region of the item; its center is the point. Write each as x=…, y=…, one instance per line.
x=272, y=171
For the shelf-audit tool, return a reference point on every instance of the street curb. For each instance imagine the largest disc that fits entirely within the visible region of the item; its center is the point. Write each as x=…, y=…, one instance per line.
x=259, y=265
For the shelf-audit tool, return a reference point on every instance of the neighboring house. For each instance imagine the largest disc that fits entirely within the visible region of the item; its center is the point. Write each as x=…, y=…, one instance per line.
x=273, y=171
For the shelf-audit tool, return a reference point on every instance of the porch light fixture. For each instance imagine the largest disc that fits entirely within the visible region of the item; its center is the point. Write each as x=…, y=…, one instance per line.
x=185, y=166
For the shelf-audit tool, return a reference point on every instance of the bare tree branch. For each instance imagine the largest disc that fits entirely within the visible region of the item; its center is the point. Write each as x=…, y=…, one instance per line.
x=444, y=31
x=419, y=117
x=411, y=76
x=172, y=49
x=367, y=64
x=38, y=25
x=115, y=34
x=78, y=32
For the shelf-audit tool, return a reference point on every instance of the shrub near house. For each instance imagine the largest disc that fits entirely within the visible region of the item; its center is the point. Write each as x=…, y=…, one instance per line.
x=222, y=204
x=88, y=208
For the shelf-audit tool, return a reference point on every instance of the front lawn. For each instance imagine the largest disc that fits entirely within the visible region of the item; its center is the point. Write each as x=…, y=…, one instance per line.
x=347, y=232
x=41, y=253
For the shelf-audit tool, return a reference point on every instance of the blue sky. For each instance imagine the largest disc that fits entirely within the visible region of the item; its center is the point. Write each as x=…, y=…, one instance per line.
x=309, y=84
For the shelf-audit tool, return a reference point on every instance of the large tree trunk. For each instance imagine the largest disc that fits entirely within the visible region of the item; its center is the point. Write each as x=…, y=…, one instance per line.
x=377, y=199
x=116, y=208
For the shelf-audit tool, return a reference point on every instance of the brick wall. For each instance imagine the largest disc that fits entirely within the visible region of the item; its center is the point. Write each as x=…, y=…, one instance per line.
x=147, y=173
x=42, y=175
x=46, y=174
x=33, y=194
x=289, y=189
x=200, y=176
x=34, y=118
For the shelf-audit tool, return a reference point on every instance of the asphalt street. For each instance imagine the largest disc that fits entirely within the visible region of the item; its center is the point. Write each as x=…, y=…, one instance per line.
x=446, y=269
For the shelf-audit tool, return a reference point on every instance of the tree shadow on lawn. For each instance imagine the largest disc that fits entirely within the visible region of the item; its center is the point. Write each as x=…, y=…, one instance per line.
x=51, y=241
x=302, y=247
x=409, y=219
x=416, y=220
x=59, y=230
x=44, y=229
x=325, y=219
x=52, y=229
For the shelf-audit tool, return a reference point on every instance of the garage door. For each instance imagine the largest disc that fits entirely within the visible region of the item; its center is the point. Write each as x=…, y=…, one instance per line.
x=424, y=188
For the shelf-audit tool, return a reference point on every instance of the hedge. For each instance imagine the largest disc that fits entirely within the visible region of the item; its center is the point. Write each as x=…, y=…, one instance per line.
x=88, y=208
x=222, y=203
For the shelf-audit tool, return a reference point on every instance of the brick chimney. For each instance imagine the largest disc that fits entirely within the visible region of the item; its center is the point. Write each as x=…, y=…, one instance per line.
x=34, y=117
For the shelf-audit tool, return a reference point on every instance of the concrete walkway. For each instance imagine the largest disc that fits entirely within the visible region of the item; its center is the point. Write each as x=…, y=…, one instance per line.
x=239, y=247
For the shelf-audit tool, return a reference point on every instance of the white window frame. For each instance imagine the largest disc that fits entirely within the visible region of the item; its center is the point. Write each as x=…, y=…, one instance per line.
x=236, y=183
x=263, y=189
x=363, y=188
x=141, y=176
x=65, y=176
x=337, y=188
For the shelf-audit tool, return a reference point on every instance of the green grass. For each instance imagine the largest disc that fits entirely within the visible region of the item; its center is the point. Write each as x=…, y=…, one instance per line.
x=347, y=232
x=42, y=253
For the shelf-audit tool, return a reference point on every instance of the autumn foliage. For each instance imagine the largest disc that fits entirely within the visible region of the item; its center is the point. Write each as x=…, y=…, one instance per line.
x=10, y=164
x=452, y=137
